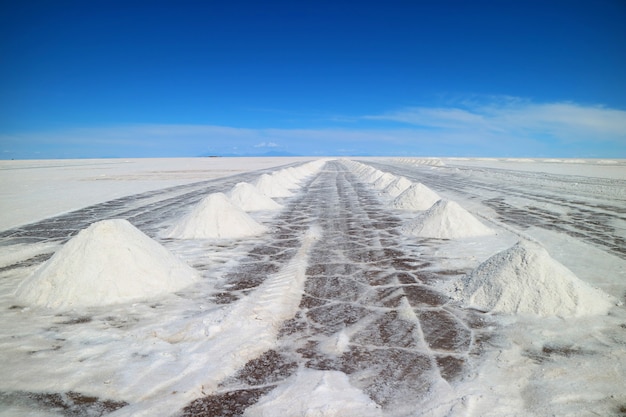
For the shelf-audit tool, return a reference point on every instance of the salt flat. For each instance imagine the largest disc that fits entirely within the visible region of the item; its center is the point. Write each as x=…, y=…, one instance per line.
x=335, y=310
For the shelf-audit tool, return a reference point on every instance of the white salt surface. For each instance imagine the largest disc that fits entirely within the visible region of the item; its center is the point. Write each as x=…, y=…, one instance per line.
x=215, y=217
x=446, y=220
x=525, y=279
x=247, y=197
x=160, y=357
x=109, y=262
x=416, y=197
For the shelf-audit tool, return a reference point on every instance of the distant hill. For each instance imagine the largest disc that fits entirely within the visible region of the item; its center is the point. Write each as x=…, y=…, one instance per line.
x=268, y=154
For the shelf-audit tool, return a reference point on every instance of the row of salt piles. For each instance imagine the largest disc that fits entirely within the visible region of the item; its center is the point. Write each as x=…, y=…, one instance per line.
x=112, y=261
x=523, y=279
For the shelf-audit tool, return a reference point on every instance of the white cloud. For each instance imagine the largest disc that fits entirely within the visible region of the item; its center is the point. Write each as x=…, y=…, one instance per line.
x=266, y=145
x=505, y=126
x=563, y=122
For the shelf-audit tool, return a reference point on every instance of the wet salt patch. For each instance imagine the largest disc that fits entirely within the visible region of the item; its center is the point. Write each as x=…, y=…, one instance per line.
x=446, y=220
x=109, y=262
x=526, y=280
x=215, y=217
x=247, y=197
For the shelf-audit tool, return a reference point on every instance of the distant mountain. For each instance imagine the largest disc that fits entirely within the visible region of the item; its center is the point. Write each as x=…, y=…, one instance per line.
x=268, y=154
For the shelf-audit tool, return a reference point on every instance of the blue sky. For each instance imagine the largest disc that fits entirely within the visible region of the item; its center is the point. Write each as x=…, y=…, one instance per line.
x=87, y=79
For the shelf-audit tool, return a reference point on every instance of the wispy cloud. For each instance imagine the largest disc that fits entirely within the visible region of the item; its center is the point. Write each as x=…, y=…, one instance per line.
x=266, y=145
x=564, y=122
x=496, y=126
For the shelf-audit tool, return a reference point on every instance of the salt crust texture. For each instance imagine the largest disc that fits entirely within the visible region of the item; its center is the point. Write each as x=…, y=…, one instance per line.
x=524, y=279
x=316, y=394
x=109, y=262
x=397, y=187
x=247, y=197
x=446, y=220
x=215, y=217
x=416, y=197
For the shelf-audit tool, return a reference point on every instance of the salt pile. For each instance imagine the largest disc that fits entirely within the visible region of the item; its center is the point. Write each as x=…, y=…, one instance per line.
x=270, y=187
x=372, y=176
x=525, y=279
x=446, y=220
x=216, y=217
x=384, y=180
x=397, y=187
x=416, y=197
x=109, y=262
x=316, y=393
x=284, y=180
x=249, y=198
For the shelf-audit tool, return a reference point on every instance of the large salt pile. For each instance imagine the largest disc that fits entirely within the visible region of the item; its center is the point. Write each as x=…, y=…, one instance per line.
x=270, y=187
x=446, y=220
x=249, y=198
x=384, y=180
x=524, y=279
x=216, y=217
x=416, y=197
x=397, y=187
x=109, y=262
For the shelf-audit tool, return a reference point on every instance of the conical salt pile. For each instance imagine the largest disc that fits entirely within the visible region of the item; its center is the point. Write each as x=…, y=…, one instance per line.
x=284, y=180
x=109, y=262
x=446, y=220
x=524, y=279
x=416, y=197
x=268, y=186
x=216, y=217
x=372, y=176
x=384, y=180
x=248, y=198
x=397, y=187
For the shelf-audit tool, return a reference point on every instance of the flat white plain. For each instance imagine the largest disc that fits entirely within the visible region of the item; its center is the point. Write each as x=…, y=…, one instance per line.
x=158, y=360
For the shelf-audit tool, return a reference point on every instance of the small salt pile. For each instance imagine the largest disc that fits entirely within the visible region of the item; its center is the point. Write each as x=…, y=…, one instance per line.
x=270, y=187
x=373, y=176
x=397, y=187
x=284, y=180
x=216, y=217
x=446, y=220
x=384, y=180
x=109, y=262
x=416, y=197
x=316, y=393
x=248, y=198
x=525, y=279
